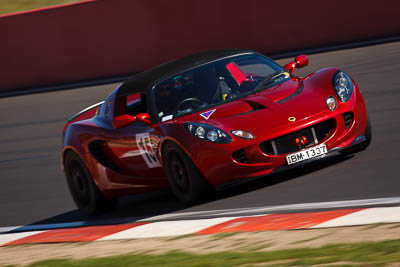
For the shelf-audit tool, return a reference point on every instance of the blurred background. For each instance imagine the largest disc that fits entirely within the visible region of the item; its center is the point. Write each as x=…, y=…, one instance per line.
x=14, y=6
x=92, y=40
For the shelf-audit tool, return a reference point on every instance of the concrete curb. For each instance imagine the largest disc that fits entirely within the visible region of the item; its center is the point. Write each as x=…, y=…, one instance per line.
x=151, y=229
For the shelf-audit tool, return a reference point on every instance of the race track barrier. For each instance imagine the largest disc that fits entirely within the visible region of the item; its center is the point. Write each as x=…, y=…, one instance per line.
x=106, y=38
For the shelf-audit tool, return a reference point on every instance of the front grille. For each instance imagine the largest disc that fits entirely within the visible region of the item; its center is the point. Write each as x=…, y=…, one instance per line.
x=348, y=119
x=239, y=156
x=286, y=143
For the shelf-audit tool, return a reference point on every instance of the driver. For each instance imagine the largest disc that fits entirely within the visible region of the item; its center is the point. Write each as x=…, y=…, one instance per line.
x=211, y=85
x=164, y=99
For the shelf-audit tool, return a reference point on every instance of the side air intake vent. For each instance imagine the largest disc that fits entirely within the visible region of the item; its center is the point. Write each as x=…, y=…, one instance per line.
x=96, y=148
x=348, y=119
x=240, y=157
x=255, y=105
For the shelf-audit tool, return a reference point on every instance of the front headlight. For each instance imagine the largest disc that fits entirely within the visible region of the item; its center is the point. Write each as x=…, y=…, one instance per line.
x=343, y=86
x=207, y=132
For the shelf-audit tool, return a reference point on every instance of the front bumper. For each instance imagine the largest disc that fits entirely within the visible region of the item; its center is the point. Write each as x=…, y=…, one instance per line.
x=220, y=166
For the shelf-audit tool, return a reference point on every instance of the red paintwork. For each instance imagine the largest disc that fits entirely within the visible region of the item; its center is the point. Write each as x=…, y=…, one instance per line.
x=84, y=116
x=123, y=121
x=299, y=62
x=125, y=146
x=291, y=66
x=144, y=117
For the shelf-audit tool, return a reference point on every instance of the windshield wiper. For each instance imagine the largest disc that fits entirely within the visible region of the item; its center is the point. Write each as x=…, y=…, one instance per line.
x=270, y=79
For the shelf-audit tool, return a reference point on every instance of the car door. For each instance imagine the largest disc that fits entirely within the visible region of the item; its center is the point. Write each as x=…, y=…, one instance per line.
x=134, y=146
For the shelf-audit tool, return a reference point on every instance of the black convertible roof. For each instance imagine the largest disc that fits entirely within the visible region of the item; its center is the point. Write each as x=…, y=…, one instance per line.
x=140, y=82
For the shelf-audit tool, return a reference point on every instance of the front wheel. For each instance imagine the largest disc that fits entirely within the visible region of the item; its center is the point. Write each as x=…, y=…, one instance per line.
x=84, y=191
x=185, y=180
x=363, y=145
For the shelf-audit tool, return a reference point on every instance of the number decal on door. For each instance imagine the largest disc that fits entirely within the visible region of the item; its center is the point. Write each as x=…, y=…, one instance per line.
x=146, y=147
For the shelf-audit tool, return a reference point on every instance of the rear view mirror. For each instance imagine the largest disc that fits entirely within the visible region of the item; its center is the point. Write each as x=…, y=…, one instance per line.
x=122, y=121
x=143, y=117
x=299, y=62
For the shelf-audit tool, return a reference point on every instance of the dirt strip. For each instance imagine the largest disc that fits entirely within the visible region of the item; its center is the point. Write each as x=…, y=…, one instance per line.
x=240, y=242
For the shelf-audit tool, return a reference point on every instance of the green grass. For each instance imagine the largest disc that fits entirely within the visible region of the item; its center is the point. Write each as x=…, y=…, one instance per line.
x=360, y=254
x=12, y=6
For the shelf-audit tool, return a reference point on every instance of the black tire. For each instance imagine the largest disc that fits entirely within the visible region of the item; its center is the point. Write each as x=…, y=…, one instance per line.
x=185, y=180
x=84, y=191
x=361, y=146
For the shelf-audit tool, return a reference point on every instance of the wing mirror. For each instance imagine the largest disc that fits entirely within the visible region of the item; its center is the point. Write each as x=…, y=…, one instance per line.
x=144, y=117
x=299, y=62
x=122, y=121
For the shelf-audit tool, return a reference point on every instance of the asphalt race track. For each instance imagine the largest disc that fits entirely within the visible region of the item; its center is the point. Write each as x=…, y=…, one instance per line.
x=33, y=187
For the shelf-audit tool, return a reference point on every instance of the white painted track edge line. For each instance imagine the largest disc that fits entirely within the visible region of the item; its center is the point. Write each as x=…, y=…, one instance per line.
x=7, y=238
x=8, y=229
x=267, y=209
x=364, y=217
x=166, y=229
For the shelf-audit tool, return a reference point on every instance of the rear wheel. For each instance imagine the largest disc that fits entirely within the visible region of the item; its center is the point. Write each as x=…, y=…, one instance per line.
x=84, y=191
x=361, y=146
x=186, y=181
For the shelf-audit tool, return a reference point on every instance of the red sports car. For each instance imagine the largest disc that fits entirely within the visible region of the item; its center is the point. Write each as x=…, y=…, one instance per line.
x=209, y=120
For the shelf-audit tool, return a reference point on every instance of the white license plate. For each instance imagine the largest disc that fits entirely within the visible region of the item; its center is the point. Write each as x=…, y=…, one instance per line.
x=309, y=153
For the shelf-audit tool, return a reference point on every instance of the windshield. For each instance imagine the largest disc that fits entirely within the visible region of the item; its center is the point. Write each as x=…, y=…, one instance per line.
x=215, y=83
